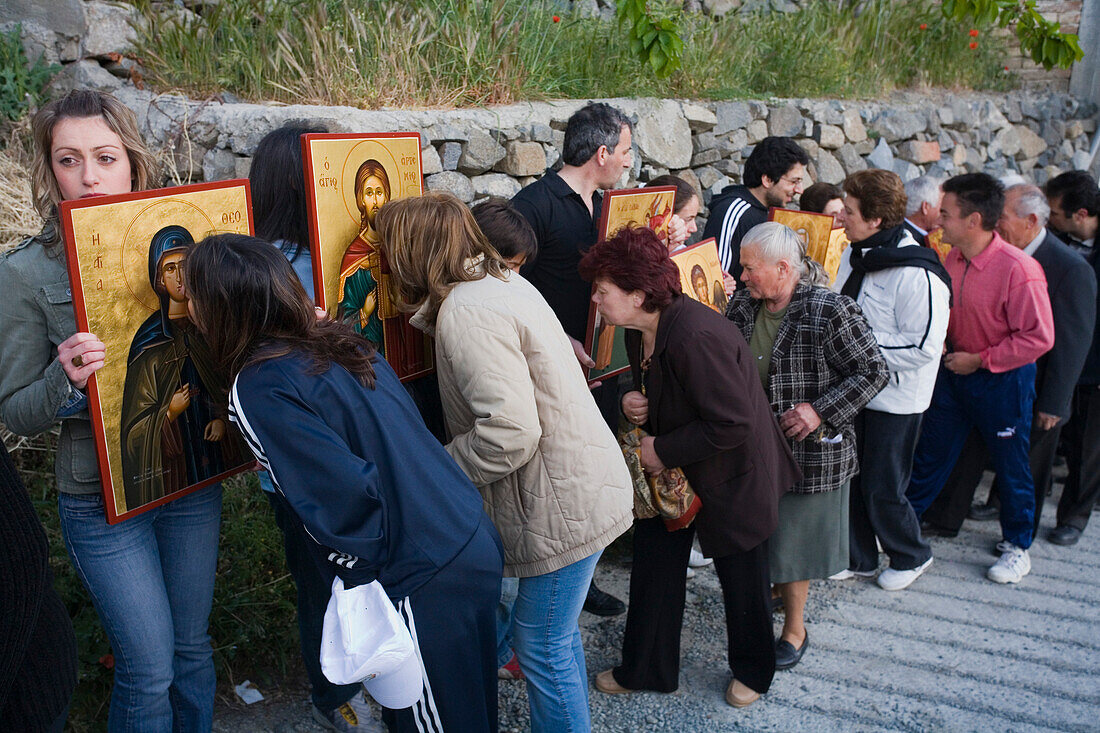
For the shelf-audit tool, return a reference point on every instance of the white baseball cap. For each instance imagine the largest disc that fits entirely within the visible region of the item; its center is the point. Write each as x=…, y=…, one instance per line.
x=365, y=640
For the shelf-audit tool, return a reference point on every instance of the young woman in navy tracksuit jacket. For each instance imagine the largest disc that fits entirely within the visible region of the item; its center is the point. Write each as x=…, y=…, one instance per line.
x=346, y=446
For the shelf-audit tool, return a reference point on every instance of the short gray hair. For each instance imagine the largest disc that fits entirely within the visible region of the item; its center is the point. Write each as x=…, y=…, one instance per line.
x=921, y=190
x=775, y=241
x=1032, y=201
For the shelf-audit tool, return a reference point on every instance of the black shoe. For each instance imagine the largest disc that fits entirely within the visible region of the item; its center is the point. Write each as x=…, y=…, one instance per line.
x=786, y=656
x=1064, y=534
x=931, y=529
x=982, y=512
x=602, y=604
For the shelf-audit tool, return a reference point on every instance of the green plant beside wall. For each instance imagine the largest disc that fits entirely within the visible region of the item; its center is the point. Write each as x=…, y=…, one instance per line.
x=654, y=37
x=21, y=83
x=1039, y=37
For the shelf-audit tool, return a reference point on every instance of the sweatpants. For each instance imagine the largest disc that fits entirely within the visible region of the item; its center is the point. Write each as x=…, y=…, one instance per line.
x=452, y=620
x=999, y=407
x=877, y=503
x=658, y=585
x=951, y=506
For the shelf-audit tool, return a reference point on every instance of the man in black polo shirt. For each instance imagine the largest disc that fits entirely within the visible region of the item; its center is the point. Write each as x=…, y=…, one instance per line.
x=563, y=207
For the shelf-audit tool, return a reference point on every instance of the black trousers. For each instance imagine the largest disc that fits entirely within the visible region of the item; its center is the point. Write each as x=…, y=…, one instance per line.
x=314, y=586
x=877, y=504
x=950, y=507
x=658, y=584
x=1082, y=489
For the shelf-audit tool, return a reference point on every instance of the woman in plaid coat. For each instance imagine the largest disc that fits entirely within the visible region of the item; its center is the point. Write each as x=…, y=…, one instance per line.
x=819, y=364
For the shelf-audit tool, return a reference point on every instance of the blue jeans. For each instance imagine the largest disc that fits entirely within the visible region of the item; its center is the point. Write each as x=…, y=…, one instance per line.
x=547, y=641
x=151, y=578
x=509, y=589
x=999, y=407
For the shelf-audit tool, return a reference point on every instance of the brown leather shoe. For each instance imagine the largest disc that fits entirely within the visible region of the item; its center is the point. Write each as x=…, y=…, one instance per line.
x=740, y=695
x=605, y=683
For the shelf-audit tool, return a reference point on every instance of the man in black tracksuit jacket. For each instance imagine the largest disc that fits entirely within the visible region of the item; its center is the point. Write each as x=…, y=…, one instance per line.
x=773, y=177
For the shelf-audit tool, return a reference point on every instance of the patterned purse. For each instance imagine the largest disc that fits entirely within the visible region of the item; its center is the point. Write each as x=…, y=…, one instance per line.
x=666, y=494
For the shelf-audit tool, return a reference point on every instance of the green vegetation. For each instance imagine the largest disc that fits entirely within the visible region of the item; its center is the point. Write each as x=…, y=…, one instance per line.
x=470, y=52
x=1039, y=37
x=254, y=622
x=21, y=82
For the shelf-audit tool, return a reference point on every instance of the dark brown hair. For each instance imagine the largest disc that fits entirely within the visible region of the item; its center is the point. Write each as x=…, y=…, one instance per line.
x=250, y=306
x=818, y=195
x=278, y=187
x=684, y=190
x=505, y=228
x=881, y=195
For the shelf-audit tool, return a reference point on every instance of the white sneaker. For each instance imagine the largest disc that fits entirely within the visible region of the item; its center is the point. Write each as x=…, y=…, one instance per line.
x=697, y=560
x=1013, y=565
x=847, y=574
x=890, y=579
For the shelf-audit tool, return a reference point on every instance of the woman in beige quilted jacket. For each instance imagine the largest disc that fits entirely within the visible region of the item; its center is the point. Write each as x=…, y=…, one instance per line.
x=525, y=429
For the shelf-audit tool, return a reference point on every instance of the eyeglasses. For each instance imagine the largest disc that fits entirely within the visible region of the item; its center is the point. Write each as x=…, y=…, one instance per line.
x=792, y=181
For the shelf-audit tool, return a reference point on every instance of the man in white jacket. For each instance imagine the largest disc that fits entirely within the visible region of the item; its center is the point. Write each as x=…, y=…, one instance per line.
x=905, y=294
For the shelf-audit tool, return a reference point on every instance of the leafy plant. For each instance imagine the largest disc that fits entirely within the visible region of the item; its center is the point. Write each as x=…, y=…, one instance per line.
x=1039, y=37
x=21, y=83
x=654, y=39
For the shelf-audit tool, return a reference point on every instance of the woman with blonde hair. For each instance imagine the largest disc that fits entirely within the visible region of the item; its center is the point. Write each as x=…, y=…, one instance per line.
x=151, y=578
x=526, y=431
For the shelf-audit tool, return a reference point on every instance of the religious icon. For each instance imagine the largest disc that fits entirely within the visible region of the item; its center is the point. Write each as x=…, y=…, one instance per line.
x=934, y=239
x=159, y=405
x=701, y=274
x=825, y=241
x=349, y=177
x=361, y=267
x=648, y=207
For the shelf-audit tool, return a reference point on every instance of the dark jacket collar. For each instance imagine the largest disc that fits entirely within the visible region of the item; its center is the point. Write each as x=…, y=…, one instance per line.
x=561, y=189
x=667, y=322
x=883, y=238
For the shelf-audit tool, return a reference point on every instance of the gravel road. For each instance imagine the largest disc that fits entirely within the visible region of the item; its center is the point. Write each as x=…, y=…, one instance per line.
x=953, y=652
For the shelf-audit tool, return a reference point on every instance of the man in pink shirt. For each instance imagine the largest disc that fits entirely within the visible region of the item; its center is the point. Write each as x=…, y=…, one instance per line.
x=1000, y=324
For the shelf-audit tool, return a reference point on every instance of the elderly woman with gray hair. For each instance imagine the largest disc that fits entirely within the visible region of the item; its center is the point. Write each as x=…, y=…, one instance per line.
x=818, y=361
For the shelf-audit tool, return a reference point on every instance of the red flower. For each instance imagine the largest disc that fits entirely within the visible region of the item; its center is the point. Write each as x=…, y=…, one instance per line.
x=973, y=45
x=108, y=661
x=973, y=32
x=557, y=19
x=924, y=26
x=1006, y=68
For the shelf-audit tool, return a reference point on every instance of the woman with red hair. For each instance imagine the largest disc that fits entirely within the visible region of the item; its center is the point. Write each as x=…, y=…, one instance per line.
x=697, y=394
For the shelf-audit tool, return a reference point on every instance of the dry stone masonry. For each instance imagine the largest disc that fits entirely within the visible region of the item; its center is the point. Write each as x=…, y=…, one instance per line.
x=476, y=153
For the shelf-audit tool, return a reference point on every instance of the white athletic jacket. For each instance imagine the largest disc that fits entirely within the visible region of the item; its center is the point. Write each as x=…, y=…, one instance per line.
x=908, y=309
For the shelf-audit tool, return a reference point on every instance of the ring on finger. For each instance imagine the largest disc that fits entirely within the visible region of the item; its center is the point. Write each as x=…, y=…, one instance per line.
x=78, y=361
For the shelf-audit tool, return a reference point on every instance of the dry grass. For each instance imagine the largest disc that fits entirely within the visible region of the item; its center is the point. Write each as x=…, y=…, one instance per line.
x=441, y=53
x=18, y=218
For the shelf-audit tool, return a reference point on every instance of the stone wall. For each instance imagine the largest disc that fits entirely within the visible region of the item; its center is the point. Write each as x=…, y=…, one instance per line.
x=495, y=151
